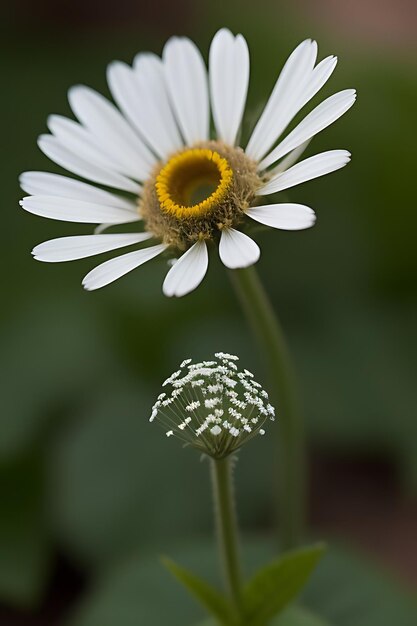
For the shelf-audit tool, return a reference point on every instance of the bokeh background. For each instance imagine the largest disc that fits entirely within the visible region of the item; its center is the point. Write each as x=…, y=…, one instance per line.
x=90, y=493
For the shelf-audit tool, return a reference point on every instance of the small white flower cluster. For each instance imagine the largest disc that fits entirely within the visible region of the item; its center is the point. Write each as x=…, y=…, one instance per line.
x=213, y=406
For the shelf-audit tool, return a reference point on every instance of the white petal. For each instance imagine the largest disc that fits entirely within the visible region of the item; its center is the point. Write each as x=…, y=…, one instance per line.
x=237, y=249
x=101, y=228
x=82, y=142
x=46, y=184
x=81, y=246
x=142, y=96
x=52, y=147
x=319, y=76
x=322, y=116
x=186, y=79
x=151, y=78
x=282, y=104
x=284, y=216
x=111, y=131
x=290, y=159
x=110, y=271
x=68, y=210
x=310, y=168
x=229, y=79
x=188, y=272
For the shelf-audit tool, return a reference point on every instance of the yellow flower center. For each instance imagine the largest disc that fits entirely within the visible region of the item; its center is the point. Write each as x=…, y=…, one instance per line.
x=198, y=192
x=193, y=183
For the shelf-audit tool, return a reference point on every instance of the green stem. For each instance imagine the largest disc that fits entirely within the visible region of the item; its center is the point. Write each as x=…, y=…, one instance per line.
x=227, y=528
x=272, y=344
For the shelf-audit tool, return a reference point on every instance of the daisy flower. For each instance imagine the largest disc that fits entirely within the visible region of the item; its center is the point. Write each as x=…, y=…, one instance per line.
x=157, y=159
x=213, y=406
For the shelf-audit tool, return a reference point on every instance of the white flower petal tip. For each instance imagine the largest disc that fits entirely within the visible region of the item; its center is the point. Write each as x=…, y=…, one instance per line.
x=229, y=80
x=187, y=272
x=82, y=246
x=284, y=216
x=292, y=90
x=320, y=118
x=109, y=271
x=237, y=250
x=186, y=80
x=313, y=167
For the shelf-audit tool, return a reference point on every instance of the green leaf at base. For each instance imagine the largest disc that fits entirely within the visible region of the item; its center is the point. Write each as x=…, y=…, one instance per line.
x=294, y=616
x=278, y=583
x=347, y=590
x=207, y=595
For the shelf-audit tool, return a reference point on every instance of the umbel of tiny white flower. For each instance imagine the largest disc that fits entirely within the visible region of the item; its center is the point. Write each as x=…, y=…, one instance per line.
x=213, y=406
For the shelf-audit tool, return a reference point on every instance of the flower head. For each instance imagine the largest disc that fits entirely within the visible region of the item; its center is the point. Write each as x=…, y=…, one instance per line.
x=163, y=167
x=213, y=406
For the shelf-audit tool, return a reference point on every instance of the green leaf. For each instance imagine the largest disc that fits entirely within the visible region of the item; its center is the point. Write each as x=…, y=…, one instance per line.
x=279, y=582
x=208, y=596
x=346, y=590
x=294, y=616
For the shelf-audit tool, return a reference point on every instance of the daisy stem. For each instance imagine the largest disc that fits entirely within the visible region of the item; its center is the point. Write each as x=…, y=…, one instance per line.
x=273, y=347
x=227, y=530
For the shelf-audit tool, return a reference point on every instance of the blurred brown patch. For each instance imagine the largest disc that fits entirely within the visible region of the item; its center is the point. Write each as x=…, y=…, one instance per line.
x=163, y=16
x=386, y=22
x=359, y=500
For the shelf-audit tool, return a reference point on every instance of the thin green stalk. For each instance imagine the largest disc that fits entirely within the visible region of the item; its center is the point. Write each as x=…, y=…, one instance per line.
x=227, y=529
x=272, y=344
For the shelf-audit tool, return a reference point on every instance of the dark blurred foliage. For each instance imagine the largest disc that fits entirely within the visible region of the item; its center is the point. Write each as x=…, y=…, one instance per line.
x=82, y=472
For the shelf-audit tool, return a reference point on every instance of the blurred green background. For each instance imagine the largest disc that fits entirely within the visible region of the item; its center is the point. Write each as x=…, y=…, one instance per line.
x=89, y=491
